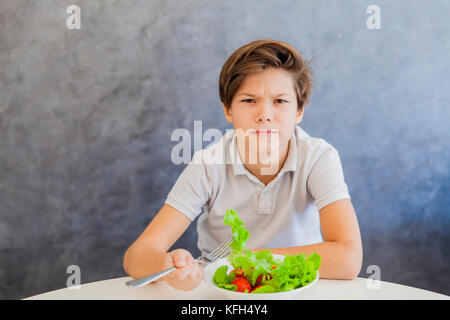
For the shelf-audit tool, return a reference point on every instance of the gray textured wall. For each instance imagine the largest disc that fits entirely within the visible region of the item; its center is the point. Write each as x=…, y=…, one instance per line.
x=86, y=117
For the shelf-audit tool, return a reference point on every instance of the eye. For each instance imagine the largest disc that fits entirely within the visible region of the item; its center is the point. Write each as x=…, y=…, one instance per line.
x=246, y=100
x=281, y=100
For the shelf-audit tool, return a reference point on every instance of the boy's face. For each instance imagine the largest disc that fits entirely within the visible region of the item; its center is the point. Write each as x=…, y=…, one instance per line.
x=258, y=104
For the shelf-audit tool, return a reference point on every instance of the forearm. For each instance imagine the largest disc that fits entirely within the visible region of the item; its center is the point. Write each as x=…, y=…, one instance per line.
x=338, y=260
x=141, y=259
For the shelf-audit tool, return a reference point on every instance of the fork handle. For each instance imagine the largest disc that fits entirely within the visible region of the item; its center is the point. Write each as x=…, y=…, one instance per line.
x=137, y=283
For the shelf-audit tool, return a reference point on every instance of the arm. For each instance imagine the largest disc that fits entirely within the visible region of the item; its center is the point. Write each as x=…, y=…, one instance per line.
x=341, y=250
x=148, y=254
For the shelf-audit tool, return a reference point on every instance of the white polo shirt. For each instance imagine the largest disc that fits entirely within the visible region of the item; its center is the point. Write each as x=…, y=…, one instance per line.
x=284, y=213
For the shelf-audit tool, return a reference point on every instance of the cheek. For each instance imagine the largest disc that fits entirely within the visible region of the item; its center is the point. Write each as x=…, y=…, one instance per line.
x=244, y=121
x=286, y=116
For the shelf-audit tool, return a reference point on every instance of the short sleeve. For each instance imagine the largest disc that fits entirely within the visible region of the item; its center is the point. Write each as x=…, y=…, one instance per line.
x=326, y=179
x=192, y=189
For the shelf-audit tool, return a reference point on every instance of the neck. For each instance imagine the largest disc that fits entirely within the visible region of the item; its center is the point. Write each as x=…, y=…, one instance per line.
x=266, y=168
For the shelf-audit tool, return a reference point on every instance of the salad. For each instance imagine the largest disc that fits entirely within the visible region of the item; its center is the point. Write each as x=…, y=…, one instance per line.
x=260, y=272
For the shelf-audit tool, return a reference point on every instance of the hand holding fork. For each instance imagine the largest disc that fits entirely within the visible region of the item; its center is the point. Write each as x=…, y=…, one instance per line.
x=184, y=280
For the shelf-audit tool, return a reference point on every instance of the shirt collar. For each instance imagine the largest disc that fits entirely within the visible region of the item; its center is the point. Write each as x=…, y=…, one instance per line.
x=235, y=159
x=238, y=167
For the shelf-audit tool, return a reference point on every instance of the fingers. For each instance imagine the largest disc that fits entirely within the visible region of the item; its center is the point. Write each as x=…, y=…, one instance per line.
x=184, y=262
x=197, y=272
x=200, y=275
x=191, y=281
x=188, y=274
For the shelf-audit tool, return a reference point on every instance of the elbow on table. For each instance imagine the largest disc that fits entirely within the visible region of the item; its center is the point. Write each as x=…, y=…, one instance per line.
x=351, y=273
x=125, y=263
x=354, y=262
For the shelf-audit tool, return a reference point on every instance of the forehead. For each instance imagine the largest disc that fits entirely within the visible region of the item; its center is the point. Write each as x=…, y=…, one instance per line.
x=270, y=81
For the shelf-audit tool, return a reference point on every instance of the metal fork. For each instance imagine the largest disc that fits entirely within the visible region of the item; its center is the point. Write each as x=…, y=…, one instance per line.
x=218, y=253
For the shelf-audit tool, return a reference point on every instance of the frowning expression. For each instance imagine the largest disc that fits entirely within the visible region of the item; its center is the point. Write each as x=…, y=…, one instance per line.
x=265, y=100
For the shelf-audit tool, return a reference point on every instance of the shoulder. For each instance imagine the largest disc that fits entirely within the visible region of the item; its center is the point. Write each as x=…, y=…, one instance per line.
x=310, y=149
x=311, y=145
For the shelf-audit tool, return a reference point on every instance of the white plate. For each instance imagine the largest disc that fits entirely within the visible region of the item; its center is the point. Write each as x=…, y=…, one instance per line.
x=211, y=268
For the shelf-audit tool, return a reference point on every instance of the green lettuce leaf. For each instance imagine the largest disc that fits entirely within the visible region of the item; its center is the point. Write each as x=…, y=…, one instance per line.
x=240, y=234
x=265, y=289
x=223, y=280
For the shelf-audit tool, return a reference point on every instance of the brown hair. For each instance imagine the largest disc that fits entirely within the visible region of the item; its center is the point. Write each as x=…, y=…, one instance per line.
x=258, y=55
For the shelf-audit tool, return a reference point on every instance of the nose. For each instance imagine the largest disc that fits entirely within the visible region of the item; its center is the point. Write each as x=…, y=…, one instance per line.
x=265, y=115
x=264, y=118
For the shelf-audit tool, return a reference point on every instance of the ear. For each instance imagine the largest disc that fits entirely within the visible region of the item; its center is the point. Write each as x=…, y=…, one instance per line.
x=227, y=113
x=299, y=116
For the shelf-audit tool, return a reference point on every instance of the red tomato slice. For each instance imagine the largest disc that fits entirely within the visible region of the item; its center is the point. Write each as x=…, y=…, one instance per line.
x=238, y=272
x=242, y=284
x=259, y=280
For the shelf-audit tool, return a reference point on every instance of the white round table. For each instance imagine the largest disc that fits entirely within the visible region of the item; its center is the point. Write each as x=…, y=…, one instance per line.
x=356, y=289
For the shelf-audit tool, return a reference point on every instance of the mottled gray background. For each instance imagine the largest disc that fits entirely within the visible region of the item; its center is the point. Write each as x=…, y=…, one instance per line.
x=86, y=118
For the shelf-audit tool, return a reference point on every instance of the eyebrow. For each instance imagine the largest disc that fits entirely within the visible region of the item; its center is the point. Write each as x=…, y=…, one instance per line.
x=251, y=95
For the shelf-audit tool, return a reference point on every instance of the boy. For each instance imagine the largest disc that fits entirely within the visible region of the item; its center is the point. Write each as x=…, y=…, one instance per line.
x=288, y=187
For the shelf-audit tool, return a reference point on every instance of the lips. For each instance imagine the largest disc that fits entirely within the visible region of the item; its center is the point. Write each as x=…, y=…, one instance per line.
x=263, y=132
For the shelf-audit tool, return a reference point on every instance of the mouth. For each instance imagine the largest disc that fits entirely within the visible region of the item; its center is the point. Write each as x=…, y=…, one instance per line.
x=265, y=132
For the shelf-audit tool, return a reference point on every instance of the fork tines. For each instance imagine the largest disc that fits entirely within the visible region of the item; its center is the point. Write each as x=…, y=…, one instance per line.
x=220, y=251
